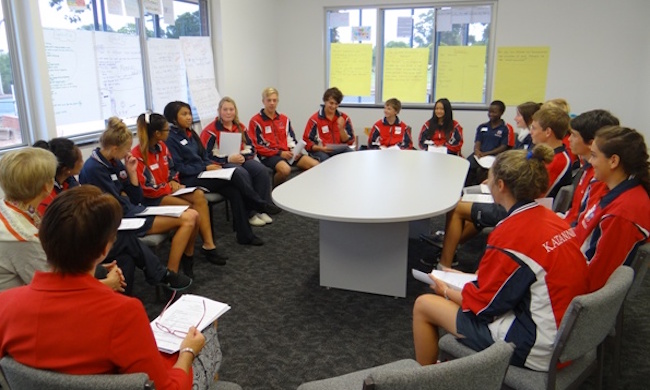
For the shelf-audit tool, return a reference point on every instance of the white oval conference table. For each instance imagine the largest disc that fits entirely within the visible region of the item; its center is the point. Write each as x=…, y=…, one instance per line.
x=364, y=201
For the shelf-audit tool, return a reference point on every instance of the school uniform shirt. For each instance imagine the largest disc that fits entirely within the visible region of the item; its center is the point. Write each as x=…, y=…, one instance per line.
x=575, y=162
x=453, y=143
x=271, y=136
x=210, y=138
x=75, y=325
x=383, y=134
x=559, y=171
x=111, y=177
x=587, y=192
x=613, y=229
x=322, y=131
x=22, y=253
x=68, y=183
x=491, y=138
x=526, y=279
x=155, y=174
x=524, y=140
x=190, y=157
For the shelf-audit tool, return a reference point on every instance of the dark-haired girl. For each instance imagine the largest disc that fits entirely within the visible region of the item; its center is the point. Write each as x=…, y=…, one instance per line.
x=442, y=130
x=191, y=158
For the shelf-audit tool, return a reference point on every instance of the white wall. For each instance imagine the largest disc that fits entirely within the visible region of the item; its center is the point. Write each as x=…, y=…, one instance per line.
x=245, y=50
x=600, y=56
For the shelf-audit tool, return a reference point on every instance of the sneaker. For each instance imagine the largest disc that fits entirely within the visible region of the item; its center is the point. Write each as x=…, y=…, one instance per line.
x=436, y=262
x=272, y=209
x=256, y=221
x=175, y=281
x=187, y=265
x=214, y=257
x=265, y=217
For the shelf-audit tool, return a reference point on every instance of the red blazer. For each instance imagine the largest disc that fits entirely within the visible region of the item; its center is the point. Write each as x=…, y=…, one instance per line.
x=76, y=325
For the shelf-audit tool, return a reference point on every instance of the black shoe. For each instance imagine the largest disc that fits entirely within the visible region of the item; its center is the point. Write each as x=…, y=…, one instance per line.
x=255, y=241
x=187, y=265
x=271, y=209
x=175, y=281
x=214, y=257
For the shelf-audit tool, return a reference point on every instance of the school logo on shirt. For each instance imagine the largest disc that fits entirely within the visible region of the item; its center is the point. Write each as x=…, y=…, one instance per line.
x=123, y=175
x=499, y=132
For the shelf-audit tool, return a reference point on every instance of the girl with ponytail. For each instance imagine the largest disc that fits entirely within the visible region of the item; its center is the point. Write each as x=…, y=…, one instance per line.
x=523, y=270
x=613, y=229
x=159, y=181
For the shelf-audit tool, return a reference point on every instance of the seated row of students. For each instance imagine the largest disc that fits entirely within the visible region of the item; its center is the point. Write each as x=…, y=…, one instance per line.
x=523, y=287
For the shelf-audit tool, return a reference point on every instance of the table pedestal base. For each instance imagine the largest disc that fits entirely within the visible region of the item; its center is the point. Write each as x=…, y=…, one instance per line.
x=367, y=257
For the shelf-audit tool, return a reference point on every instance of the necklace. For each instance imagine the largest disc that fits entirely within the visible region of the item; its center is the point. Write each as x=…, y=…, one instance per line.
x=29, y=209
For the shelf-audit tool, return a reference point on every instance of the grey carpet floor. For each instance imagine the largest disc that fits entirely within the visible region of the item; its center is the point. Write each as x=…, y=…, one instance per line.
x=284, y=329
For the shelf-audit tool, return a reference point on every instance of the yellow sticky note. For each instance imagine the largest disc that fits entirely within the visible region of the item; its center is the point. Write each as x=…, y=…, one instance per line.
x=405, y=74
x=521, y=74
x=351, y=68
x=460, y=75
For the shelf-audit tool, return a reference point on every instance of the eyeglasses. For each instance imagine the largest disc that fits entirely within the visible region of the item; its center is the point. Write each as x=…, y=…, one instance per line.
x=174, y=332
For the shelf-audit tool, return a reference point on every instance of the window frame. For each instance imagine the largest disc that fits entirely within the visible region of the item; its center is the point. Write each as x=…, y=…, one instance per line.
x=379, y=36
x=32, y=90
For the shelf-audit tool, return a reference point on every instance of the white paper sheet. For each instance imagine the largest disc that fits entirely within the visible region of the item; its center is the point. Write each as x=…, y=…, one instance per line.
x=185, y=312
x=455, y=280
x=224, y=174
x=131, y=223
x=297, y=150
x=167, y=211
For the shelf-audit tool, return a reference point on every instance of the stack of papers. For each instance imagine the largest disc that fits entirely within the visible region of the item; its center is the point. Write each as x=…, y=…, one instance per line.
x=167, y=211
x=185, y=312
x=455, y=280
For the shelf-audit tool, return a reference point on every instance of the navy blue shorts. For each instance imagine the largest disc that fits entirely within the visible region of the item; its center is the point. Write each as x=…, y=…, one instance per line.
x=272, y=161
x=487, y=214
x=477, y=334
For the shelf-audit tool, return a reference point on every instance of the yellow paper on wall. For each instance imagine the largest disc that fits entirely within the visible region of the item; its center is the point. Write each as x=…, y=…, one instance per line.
x=461, y=73
x=351, y=68
x=405, y=74
x=521, y=74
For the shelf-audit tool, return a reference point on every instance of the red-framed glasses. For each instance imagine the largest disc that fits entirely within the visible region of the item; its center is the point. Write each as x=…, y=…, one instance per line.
x=175, y=332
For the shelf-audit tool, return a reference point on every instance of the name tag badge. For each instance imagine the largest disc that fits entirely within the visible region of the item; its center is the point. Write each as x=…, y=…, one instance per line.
x=114, y=177
x=153, y=167
x=183, y=142
x=325, y=129
x=483, y=128
x=267, y=129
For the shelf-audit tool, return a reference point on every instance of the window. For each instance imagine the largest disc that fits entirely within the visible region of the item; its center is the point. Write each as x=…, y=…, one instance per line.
x=417, y=54
x=10, y=132
x=96, y=58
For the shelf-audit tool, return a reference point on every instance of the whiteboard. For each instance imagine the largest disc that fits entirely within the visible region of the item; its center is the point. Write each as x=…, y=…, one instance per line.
x=119, y=68
x=167, y=70
x=73, y=76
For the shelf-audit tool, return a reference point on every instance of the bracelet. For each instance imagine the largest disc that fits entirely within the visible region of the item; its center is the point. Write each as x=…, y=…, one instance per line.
x=445, y=293
x=188, y=349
